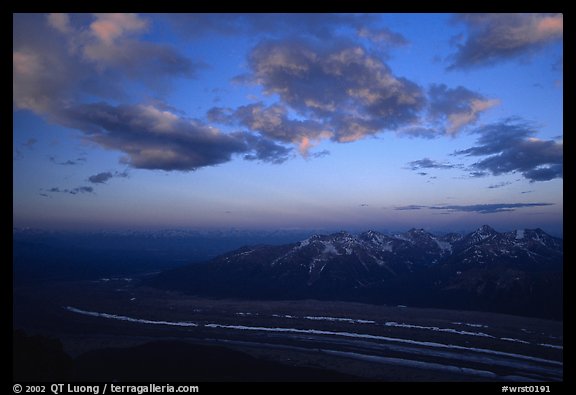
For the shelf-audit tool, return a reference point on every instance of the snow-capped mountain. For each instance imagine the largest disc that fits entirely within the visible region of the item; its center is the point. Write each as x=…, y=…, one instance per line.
x=376, y=267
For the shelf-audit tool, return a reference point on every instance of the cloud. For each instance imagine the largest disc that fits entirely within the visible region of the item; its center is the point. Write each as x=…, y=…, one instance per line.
x=459, y=106
x=108, y=43
x=273, y=122
x=382, y=36
x=509, y=147
x=30, y=143
x=156, y=139
x=68, y=162
x=60, y=22
x=73, y=191
x=341, y=91
x=266, y=150
x=319, y=25
x=478, y=174
x=409, y=207
x=477, y=208
x=419, y=132
x=428, y=163
x=59, y=58
x=103, y=177
x=499, y=185
x=100, y=178
x=17, y=154
x=494, y=38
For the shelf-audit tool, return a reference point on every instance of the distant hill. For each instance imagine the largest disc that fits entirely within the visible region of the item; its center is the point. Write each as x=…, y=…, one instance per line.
x=518, y=272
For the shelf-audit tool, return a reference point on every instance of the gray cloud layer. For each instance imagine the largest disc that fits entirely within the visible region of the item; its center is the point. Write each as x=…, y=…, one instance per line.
x=508, y=147
x=477, y=208
x=320, y=25
x=328, y=87
x=428, y=163
x=155, y=139
x=103, y=177
x=496, y=37
x=73, y=191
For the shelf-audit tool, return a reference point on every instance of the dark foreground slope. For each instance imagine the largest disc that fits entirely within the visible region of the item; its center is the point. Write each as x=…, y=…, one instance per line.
x=516, y=272
x=38, y=358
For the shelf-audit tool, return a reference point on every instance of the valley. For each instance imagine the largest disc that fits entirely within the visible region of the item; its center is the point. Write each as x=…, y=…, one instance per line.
x=357, y=341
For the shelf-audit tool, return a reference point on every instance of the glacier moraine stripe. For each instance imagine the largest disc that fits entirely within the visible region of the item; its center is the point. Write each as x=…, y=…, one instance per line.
x=318, y=332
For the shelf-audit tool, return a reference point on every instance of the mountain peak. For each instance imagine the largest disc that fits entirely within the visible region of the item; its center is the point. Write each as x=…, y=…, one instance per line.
x=486, y=229
x=483, y=232
x=417, y=231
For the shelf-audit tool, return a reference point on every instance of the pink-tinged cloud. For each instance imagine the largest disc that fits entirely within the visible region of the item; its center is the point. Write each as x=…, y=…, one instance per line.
x=457, y=107
x=496, y=37
x=109, y=27
x=60, y=22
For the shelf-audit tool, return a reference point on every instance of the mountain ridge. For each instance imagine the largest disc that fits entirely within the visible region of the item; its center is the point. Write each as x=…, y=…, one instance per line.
x=486, y=268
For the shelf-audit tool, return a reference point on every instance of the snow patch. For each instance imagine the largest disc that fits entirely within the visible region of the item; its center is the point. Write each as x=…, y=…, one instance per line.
x=469, y=324
x=329, y=249
x=437, y=329
x=443, y=245
x=520, y=234
x=551, y=346
x=129, y=319
x=514, y=340
x=315, y=318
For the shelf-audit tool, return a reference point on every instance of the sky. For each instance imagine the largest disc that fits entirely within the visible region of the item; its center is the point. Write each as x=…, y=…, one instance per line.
x=288, y=121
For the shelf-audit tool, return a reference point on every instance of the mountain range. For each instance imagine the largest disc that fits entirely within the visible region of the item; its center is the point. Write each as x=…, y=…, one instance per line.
x=518, y=272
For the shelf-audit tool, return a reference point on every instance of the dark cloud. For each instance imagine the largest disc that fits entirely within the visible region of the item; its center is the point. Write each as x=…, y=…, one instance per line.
x=477, y=208
x=458, y=107
x=499, y=185
x=478, y=174
x=100, y=178
x=422, y=173
x=410, y=207
x=524, y=192
x=420, y=132
x=353, y=93
x=489, y=208
x=266, y=150
x=103, y=177
x=272, y=122
x=68, y=162
x=509, y=147
x=319, y=25
x=427, y=163
x=383, y=36
x=320, y=154
x=30, y=143
x=73, y=191
x=155, y=139
x=496, y=37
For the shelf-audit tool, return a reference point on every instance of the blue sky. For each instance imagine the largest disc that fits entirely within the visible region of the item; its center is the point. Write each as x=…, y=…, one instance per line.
x=266, y=121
